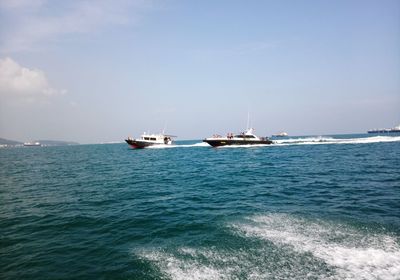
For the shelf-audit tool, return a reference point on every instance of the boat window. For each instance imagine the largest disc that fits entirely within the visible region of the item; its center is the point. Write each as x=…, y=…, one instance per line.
x=154, y=139
x=146, y=138
x=244, y=136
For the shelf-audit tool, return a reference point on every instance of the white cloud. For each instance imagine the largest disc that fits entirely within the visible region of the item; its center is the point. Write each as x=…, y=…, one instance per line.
x=33, y=24
x=18, y=81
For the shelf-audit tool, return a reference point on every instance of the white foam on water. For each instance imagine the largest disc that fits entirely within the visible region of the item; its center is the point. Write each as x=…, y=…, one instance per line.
x=183, y=268
x=200, y=144
x=216, y=263
x=160, y=146
x=163, y=146
x=211, y=263
x=352, y=253
x=300, y=140
x=281, y=246
x=330, y=140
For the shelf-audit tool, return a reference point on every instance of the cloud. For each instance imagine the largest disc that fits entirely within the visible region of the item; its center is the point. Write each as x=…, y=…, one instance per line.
x=33, y=24
x=22, y=82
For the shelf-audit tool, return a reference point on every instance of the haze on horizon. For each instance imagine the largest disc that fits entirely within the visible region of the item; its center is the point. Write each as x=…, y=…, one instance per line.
x=98, y=71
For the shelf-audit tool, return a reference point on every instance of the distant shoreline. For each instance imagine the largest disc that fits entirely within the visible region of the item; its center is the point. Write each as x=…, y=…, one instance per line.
x=12, y=143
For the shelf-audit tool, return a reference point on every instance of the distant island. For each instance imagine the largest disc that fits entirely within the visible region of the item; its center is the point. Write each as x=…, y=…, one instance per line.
x=6, y=142
x=12, y=143
x=56, y=143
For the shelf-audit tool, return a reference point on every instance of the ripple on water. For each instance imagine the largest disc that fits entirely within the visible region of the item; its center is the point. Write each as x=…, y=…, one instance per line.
x=309, y=210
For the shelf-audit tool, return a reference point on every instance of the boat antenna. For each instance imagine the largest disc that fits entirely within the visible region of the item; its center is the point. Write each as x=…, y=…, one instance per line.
x=165, y=125
x=248, y=120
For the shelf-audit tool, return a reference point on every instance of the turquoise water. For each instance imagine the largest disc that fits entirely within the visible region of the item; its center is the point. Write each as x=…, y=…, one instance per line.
x=305, y=208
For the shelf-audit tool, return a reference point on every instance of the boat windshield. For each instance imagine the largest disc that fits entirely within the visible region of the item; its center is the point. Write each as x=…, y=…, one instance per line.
x=245, y=136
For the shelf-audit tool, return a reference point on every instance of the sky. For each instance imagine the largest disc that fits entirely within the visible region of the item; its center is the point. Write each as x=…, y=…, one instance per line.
x=100, y=71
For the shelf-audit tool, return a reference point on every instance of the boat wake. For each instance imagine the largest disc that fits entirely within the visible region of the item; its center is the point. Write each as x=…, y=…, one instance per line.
x=201, y=144
x=281, y=246
x=319, y=140
x=330, y=140
x=350, y=252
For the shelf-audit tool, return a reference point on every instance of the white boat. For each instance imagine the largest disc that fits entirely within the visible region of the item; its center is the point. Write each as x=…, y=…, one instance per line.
x=280, y=134
x=32, y=144
x=147, y=140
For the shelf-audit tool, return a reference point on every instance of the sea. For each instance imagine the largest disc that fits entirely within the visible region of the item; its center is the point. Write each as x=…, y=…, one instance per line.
x=310, y=207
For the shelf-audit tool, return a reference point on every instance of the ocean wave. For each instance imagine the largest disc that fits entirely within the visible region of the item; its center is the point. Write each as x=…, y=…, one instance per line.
x=207, y=264
x=179, y=267
x=353, y=253
x=281, y=246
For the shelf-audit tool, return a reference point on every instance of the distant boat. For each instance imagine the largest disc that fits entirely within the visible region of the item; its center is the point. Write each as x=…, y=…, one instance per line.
x=147, y=140
x=385, y=130
x=244, y=138
x=32, y=144
x=280, y=134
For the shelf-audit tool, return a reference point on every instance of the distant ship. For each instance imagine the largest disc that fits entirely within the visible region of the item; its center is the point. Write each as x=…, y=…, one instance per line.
x=147, y=140
x=244, y=138
x=32, y=144
x=280, y=134
x=386, y=130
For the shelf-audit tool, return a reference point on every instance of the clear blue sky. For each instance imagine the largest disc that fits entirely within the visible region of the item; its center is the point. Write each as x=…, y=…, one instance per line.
x=98, y=71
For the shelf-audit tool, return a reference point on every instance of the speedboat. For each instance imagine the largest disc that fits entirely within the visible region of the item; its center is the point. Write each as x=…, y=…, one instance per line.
x=244, y=138
x=32, y=144
x=147, y=140
x=280, y=134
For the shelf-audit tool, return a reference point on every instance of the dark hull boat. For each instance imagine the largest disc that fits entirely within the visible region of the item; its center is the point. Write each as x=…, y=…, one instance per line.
x=395, y=129
x=384, y=131
x=227, y=142
x=245, y=138
x=137, y=144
